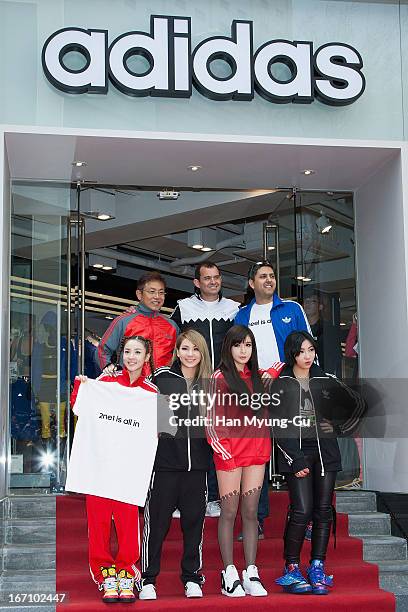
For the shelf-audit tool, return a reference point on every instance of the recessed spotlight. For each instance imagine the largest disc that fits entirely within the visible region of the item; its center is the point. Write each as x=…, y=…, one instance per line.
x=97, y=265
x=198, y=246
x=308, y=172
x=343, y=324
x=323, y=224
x=206, y=249
x=305, y=279
x=79, y=164
x=107, y=267
x=194, y=168
x=108, y=317
x=271, y=248
x=104, y=216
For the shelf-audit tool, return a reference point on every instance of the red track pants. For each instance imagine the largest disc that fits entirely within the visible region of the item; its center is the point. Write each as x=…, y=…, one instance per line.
x=126, y=516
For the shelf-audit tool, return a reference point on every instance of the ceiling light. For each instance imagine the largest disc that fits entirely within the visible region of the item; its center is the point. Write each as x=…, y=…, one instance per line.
x=271, y=248
x=93, y=277
x=323, y=224
x=101, y=262
x=78, y=164
x=305, y=279
x=194, y=168
x=204, y=239
x=308, y=172
x=343, y=324
x=108, y=317
x=104, y=216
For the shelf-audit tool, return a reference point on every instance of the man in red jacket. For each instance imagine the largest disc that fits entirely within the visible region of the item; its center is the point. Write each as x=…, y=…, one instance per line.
x=145, y=320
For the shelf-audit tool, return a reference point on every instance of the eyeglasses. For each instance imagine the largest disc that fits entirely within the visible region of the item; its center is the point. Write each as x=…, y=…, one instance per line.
x=152, y=292
x=255, y=267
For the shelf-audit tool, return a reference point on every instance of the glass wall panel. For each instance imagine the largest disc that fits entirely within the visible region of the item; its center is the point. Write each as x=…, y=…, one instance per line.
x=39, y=350
x=327, y=290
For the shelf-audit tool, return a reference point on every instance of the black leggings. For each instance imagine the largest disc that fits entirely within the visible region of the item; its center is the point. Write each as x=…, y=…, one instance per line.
x=310, y=499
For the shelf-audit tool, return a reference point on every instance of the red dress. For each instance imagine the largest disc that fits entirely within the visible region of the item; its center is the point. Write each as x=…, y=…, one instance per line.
x=239, y=435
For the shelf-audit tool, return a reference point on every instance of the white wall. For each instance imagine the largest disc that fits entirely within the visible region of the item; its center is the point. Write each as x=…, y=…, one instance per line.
x=381, y=208
x=4, y=312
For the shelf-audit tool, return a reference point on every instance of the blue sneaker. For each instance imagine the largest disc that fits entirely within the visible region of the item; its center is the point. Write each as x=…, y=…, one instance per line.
x=318, y=579
x=293, y=582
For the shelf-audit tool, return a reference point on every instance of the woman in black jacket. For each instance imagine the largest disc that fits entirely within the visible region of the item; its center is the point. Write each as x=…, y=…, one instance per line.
x=315, y=408
x=179, y=478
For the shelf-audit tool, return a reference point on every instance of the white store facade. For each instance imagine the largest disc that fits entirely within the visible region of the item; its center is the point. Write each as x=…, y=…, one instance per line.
x=254, y=94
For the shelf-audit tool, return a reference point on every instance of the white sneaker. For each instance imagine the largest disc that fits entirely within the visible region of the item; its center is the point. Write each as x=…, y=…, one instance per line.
x=192, y=589
x=252, y=584
x=230, y=583
x=148, y=592
x=213, y=509
x=176, y=513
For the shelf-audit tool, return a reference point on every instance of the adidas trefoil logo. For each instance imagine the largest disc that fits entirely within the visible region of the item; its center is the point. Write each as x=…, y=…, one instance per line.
x=287, y=319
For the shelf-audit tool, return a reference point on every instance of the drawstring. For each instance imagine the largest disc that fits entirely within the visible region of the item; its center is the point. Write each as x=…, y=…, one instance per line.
x=320, y=453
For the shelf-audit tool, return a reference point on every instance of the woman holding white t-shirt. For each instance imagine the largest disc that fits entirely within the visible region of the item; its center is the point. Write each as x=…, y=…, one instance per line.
x=116, y=577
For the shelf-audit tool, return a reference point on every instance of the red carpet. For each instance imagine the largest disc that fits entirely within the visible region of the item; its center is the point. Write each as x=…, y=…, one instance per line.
x=356, y=582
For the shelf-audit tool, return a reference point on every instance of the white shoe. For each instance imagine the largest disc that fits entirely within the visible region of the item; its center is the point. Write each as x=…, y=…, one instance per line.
x=148, y=592
x=176, y=513
x=252, y=584
x=213, y=509
x=192, y=589
x=230, y=583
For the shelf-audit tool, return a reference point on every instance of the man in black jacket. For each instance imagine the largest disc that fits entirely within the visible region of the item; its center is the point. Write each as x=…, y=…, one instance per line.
x=206, y=310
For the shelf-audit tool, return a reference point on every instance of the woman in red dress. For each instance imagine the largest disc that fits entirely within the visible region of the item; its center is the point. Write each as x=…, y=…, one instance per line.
x=239, y=434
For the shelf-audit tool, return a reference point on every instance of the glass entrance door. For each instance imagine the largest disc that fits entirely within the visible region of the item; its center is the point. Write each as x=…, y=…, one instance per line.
x=45, y=314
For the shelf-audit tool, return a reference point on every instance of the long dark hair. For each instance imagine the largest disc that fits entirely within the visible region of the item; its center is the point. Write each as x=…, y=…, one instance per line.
x=235, y=335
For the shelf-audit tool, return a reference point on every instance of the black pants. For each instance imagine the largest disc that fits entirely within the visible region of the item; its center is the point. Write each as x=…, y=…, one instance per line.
x=213, y=494
x=186, y=491
x=310, y=499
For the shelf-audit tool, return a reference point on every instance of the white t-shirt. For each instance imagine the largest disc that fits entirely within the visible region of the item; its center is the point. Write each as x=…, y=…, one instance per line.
x=261, y=326
x=115, y=442
x=210, y=305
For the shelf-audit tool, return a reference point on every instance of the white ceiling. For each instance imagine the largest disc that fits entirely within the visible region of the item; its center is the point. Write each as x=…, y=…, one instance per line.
x=162, y=162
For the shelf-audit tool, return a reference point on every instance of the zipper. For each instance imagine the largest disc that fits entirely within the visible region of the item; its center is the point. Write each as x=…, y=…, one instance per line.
x=188, y=433
x=211, y=344
x=317, y=434
x=314, y=410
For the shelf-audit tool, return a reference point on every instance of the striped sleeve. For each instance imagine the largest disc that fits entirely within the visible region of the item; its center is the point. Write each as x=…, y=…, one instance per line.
x=111, y=340
x=216, y=437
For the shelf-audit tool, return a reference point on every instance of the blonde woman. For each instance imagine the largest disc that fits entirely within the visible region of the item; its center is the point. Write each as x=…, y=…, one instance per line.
x=179, y=478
